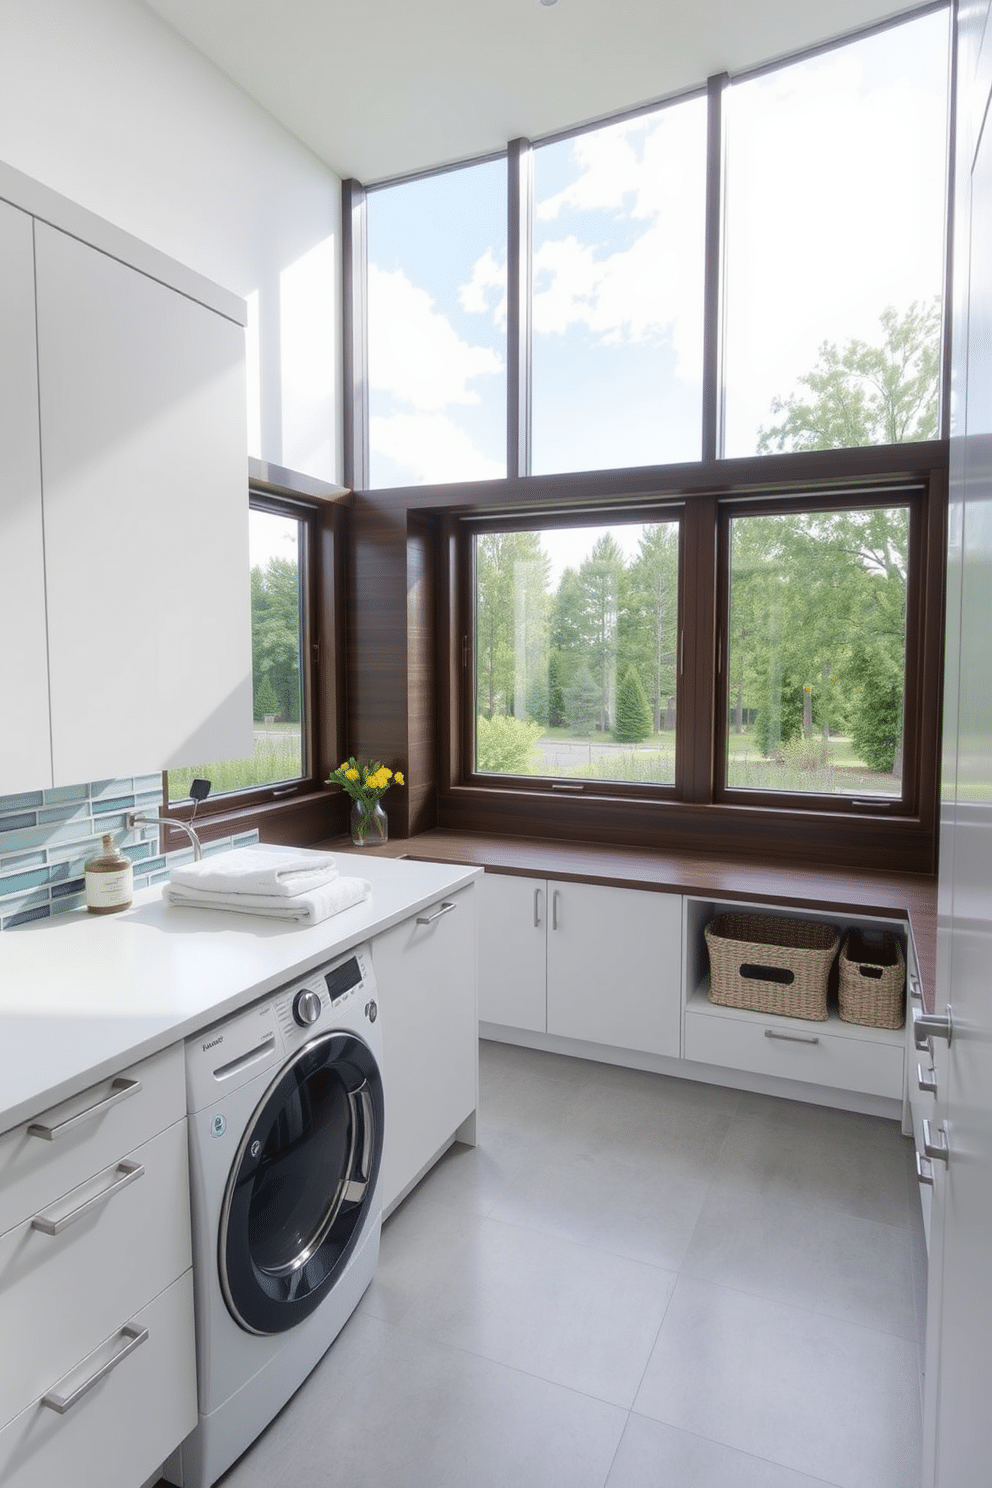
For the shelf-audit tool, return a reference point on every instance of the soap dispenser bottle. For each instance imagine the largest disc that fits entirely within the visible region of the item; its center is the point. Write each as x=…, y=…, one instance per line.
x=109, y=880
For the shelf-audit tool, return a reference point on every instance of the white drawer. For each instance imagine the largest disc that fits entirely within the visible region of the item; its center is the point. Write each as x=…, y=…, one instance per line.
x=120, y=1431
x=35, y=1171
x=60, y=1294
x=768, y=1046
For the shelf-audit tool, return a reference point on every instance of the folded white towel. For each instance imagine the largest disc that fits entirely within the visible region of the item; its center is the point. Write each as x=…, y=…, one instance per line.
x=262, y=869
x=305, y=909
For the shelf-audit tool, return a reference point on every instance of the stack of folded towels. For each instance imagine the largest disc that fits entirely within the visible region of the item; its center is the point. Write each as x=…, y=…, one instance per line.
x=283, y=882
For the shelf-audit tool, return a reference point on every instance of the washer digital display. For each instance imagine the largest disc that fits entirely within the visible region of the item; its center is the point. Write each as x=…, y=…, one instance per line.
x=342, y=979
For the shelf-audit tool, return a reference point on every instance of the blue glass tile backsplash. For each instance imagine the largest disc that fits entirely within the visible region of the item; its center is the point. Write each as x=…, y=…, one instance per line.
x=47, y=835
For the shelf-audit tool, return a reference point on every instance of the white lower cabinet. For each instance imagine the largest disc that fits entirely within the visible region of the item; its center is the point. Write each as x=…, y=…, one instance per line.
x=425, y=970
x=833, y=1054
x=627, y=969
x=97, y=1372
x=582, y=961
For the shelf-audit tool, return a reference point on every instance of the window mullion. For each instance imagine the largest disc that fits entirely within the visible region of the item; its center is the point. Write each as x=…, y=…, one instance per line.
x=697, y=648
x=715, y=277
x=519, y=250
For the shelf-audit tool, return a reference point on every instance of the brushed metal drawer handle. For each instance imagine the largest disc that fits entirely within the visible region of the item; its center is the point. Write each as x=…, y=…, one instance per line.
x=120, y=1090
x=793, y=1038
x=924, y=1170
x=935, y=1147
x=926, y=1081
x=429, y=919
x=61, y=1403
x=129, y=1172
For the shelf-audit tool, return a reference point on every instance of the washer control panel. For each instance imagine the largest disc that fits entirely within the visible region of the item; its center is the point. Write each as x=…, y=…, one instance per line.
x=325, y=991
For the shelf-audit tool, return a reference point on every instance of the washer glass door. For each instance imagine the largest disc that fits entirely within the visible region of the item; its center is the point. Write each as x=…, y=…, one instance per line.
x=302, y=1184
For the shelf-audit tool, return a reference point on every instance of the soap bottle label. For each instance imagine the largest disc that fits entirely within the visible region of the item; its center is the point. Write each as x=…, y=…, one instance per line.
x=110, y=890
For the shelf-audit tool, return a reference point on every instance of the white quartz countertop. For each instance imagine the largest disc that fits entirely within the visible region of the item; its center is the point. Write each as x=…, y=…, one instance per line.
x=82, y=995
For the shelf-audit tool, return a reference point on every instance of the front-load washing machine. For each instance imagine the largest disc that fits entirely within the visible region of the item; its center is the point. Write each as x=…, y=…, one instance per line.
x=285, y=1106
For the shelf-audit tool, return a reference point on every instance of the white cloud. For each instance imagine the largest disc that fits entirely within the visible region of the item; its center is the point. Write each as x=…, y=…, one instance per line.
x=487, y=275
x=415, y=353
x=651, y=289
x=429, y=447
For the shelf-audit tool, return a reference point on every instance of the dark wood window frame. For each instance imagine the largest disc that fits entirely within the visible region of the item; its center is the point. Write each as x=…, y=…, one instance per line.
x=699, y=814
x=298, y=811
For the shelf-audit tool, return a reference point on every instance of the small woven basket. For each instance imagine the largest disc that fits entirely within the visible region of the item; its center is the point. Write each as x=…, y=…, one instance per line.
x=872, y=980
x=768, y=965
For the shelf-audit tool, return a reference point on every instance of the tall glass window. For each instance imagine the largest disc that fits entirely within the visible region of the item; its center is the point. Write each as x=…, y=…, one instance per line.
x=816, y=664
x=835, y=242
x=437, y=327
x=575, y=651
x=619, y=237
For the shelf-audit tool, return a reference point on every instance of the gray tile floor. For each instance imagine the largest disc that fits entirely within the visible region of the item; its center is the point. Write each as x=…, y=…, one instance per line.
x=632, y=1282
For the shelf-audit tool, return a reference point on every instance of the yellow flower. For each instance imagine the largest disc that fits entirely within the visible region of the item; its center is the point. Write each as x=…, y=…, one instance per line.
x=342, y=769
x=385, y=773
x=351, y=774
x=398, y=777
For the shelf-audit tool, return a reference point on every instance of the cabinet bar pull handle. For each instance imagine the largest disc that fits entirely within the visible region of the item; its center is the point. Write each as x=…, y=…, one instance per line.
x=930, y=1025
x=927, y=1081
x=554, y=910
x=915, y=990
x=61, y=1403
x=936, y=1148
x=128, y=1171
x=793, y=1038
x=924, y=1170
x=537, y=909
x=429, y=919
x=120, y=1090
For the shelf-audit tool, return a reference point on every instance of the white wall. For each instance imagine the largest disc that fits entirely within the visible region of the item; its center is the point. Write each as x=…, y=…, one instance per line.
x=101, y=101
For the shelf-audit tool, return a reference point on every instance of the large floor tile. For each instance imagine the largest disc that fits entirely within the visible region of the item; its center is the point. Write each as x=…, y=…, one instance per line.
x=643, y=1208
x=558, y=1310
x=827, y=1398
x=807, y=1255
x=808, y=1160
x=388, y=1409
x=652, y=1455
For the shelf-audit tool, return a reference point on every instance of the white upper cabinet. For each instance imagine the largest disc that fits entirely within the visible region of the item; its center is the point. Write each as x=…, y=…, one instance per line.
x=144, y=493
x=25, y=750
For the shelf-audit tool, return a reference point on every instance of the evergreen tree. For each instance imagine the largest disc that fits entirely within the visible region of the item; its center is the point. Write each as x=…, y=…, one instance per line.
x=633, y=710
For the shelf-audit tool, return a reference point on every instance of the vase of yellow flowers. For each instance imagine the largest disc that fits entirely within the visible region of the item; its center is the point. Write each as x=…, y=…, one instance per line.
x=366, y=785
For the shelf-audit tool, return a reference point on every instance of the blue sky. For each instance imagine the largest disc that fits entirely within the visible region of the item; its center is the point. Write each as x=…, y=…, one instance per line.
x=834, y=211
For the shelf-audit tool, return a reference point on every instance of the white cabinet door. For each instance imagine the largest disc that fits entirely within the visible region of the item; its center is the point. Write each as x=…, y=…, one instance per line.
x=425, y=969
x=144, y=461
x=615, y=966
x=513, y=951
x=25, y=746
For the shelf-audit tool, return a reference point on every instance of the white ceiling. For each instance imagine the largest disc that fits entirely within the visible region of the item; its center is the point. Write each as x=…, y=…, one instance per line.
x=380, y=88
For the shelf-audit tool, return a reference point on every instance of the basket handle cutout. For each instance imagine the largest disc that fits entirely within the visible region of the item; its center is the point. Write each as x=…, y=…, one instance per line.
x=871, y=971
x=767, y=973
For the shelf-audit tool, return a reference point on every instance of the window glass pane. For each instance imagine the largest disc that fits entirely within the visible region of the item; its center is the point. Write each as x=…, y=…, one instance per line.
x=575, y=652
x=817, y=652
x=619, y=229
x=437, y=327
x=835, y=244
x=276, y=625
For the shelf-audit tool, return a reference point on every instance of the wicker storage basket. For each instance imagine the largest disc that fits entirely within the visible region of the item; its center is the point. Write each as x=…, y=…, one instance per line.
x=872, y=979
x=770, y=965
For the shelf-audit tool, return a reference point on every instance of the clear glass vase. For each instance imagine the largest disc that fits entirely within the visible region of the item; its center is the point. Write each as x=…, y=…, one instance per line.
x=369, y=823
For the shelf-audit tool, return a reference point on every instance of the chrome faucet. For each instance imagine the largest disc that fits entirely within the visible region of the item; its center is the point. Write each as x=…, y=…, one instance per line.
x=143, y=819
